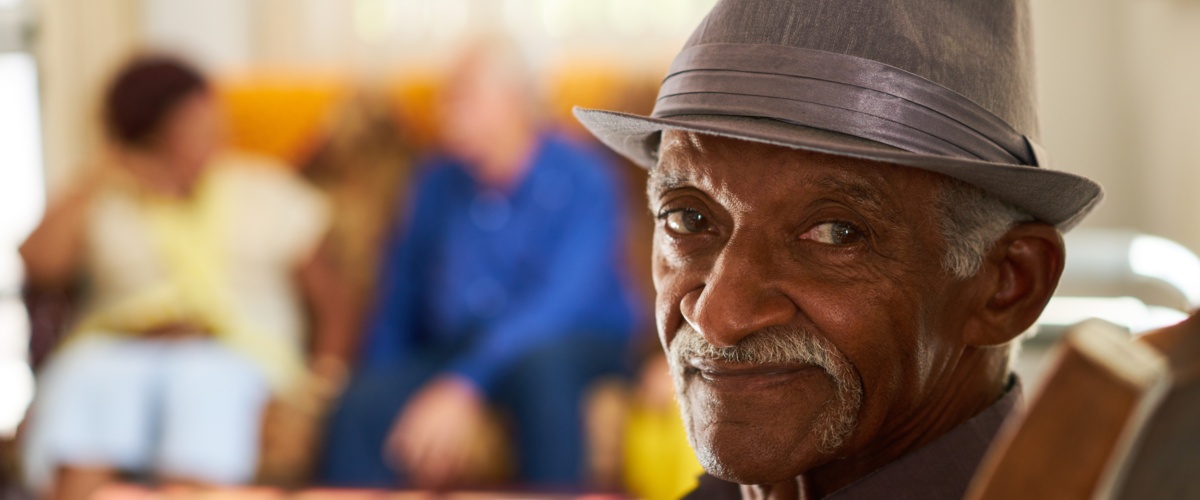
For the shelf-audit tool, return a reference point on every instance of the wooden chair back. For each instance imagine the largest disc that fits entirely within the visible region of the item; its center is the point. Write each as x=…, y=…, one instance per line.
x=1073, y=440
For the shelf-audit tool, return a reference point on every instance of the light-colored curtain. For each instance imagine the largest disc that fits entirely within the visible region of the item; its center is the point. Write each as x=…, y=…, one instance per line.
x=78, y=45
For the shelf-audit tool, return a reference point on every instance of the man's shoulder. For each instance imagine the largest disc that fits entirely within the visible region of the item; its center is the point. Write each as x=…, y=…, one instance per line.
x=252, y=177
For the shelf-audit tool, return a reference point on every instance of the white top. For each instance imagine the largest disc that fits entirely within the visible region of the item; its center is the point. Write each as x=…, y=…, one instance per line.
x=260, y=223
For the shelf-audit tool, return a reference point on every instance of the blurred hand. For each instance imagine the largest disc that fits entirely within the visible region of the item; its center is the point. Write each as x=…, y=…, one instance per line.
x=433, y=436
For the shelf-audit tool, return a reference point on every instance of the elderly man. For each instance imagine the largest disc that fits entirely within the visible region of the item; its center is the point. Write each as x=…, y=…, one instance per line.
x=502, y=288
x=856, y=225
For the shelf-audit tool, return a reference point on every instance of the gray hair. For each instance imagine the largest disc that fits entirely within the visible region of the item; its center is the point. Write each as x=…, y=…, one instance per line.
x=971, y=223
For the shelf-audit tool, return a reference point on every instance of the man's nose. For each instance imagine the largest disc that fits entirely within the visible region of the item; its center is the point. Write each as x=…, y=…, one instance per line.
x=740, y=296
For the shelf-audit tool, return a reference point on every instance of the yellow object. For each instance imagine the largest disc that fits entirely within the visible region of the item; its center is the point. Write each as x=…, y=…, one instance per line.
x=659, y=464
x=280, y=115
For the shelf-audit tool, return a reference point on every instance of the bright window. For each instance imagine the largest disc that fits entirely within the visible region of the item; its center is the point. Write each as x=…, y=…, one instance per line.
x=22, y=200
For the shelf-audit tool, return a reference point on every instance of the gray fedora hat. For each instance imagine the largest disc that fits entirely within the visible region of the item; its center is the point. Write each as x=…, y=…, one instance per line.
x=942, y=85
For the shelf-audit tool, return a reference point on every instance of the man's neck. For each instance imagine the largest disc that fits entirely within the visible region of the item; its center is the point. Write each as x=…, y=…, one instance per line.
x=787, y=490
x=511, y=160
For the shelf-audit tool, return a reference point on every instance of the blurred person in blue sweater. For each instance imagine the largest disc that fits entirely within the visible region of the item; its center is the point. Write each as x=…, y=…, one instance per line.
x=502, y=288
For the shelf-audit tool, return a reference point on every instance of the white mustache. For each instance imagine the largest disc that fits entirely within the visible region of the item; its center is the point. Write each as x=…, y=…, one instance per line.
x=779, y=345
x=772, y=345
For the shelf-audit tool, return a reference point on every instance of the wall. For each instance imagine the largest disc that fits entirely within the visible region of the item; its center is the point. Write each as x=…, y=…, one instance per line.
x=78, y=45
x=1163, y=66
x=81, y=41
x=212, y=33
x=1120, y=97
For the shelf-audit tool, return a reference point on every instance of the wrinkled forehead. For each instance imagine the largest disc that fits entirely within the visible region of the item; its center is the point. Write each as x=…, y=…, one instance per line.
x=734, y=168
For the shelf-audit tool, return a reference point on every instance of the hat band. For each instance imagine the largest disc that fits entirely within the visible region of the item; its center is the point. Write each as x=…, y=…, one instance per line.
x=840, y=93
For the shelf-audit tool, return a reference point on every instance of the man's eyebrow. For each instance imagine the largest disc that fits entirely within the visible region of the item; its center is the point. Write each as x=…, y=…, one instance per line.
x=860, y=190
x=659, y=183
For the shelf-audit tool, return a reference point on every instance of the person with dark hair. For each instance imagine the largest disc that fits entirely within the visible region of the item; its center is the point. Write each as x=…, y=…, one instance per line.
x=140, y=98
x=193, y=317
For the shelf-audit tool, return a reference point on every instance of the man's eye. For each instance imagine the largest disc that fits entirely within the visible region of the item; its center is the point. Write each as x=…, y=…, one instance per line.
x=834, y=233
x=685, y=221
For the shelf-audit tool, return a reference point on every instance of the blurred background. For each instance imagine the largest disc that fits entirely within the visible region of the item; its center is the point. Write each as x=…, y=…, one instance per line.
x=1118, y=84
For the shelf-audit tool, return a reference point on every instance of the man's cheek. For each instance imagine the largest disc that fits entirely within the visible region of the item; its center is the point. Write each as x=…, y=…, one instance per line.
x=662, y=273
x=669, y=288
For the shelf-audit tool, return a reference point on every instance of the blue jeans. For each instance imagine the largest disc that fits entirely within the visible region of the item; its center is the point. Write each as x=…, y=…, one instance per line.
x=542, y=393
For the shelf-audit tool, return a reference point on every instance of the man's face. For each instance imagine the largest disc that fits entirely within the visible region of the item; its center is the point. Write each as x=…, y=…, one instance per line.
x=478, y=107
x=802, y=301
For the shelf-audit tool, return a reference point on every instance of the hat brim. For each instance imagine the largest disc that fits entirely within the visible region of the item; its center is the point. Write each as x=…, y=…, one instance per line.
x=1052, y=196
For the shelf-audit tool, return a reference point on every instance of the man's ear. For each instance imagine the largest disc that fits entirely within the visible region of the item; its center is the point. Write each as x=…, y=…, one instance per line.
x=1017, y=279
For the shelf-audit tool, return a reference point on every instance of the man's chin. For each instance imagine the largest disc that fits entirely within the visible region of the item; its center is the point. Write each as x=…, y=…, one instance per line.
x=759, y=418
x=752, y=441
x=749, y=452
x=745, y=465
